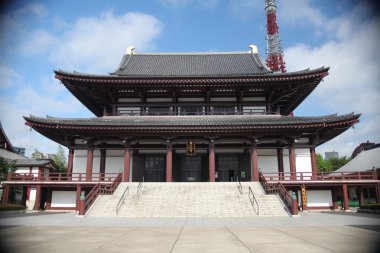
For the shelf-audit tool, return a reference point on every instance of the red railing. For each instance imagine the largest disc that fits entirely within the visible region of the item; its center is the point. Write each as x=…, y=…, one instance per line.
x=277, y=188
x=58, y=177
x=101, y=189
x=328, y=176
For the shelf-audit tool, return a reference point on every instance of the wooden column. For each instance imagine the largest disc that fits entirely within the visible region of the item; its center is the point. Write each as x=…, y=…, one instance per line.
x=346, y=205
x=36, y=206
x=361, y=196
x=48, y=199
x=280, y=162
x=127, y=162
x=89, y=164
x=70, y=162
x=377, y=189
x=254, y=162
x=208, y=108
x=335, y=198
x=314, y=167
x=211, y=162
x=102, y=166
x=5, y=197
x=79, y=189
x=292, y=161
x=169, y=162
x=24, y=195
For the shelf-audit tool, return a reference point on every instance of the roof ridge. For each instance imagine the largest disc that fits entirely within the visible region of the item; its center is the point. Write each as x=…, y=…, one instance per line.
x=191, y=53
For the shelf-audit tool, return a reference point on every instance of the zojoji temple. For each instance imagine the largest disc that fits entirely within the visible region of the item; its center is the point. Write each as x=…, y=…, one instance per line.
x=194, y=117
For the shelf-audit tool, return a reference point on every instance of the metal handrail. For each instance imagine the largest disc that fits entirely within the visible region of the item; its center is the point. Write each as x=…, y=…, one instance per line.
x=121, y=200
x=253, y=201
x=100, y=189
x=239, y=186
x=138, y=188
x=277, y=189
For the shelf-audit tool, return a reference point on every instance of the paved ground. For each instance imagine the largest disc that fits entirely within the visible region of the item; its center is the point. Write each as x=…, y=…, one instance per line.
x=311, y=232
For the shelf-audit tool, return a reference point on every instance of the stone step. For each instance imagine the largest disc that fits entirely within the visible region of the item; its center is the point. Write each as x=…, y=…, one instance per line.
x=187, y=200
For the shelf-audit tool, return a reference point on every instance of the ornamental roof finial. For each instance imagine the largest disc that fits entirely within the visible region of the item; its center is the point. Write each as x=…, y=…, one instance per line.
x=130, y=50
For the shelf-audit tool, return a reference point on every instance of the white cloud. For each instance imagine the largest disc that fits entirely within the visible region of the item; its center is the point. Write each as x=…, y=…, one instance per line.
x=297, y=12
x=180, y=4
x=91, y=44
x=245, y=10
x=38, y=42
x=49, y=99
x=352, y=86
x=8, y=76
x=96, y=44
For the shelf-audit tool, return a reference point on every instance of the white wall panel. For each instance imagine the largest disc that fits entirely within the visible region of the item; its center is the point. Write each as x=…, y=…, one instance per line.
x=114, y=164
x=32, y=194
x=63, y=199
x=267, y=164
x=319, y=198
x=80, y=161
x=79, y=164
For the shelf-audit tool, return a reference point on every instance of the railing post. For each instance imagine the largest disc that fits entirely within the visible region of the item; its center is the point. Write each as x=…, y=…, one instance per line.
x=82, y=203
x=294, y=204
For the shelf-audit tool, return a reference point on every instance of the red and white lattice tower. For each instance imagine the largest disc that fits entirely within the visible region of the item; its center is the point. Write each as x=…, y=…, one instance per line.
x=275, y=56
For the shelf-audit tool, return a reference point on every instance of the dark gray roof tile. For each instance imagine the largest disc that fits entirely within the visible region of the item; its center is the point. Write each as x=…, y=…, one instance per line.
x=190, y=121
x=191, y=65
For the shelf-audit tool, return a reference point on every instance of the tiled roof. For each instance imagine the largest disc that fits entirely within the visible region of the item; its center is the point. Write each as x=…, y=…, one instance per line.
x=188, y=65
x=366, y=160
x=32, y=162
x=191, y=64
x=10, y=155
x=190, y=121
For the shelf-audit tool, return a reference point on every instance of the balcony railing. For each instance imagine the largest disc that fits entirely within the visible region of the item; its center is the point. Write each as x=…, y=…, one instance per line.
x=63, y=177
x=323, y=176
x=212, y=111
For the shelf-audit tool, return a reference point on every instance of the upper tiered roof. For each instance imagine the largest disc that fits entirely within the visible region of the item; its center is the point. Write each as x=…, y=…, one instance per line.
x=207, y=64
x=181, y=73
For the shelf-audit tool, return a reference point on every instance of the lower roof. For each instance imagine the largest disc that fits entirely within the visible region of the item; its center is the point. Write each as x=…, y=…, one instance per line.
x=61, y=130
x=366, y=160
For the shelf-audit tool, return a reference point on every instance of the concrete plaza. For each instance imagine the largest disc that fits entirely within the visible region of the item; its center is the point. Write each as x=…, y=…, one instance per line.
x=311, y=232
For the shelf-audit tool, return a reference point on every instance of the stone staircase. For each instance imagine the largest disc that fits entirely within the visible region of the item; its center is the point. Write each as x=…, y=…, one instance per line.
x=202, y=199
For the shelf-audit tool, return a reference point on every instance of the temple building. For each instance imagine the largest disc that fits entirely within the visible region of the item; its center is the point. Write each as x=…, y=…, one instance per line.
x=228, y=108
x=189, y=117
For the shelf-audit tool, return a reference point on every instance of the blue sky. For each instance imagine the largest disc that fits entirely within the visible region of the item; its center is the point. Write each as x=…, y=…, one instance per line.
x=37, y=37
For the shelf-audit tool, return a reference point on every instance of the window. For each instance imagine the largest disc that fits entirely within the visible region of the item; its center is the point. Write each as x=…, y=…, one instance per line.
x=154, y=169
x=159, y=110
x=191, y=110
x=224, y=109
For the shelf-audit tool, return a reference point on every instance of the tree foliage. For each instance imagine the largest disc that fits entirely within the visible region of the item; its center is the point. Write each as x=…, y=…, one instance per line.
x=38, y=155
x=331, y=164
x=5, y=166
x=60, y=159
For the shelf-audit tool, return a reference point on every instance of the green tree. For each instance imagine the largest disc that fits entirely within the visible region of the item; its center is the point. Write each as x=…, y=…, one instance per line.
x=5, y=166
x=337, y=163
x=323, y=165
x=38, y=155
x=60, y=159
x=332, y=164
